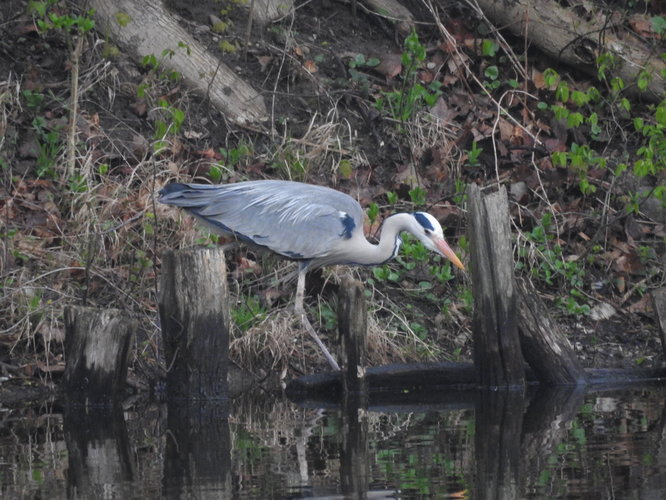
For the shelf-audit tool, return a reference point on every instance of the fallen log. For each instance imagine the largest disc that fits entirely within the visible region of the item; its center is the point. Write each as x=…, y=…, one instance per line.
x=266, y=11
x=410, y=379
x=148, y=29
x=572, y=39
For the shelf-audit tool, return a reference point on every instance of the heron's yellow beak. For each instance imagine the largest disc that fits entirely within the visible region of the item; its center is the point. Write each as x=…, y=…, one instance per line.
x=444, y=247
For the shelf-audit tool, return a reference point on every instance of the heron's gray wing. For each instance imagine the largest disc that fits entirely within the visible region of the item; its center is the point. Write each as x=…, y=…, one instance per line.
x=299, y=221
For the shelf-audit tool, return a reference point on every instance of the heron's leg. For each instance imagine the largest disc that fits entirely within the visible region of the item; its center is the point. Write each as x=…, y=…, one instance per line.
x=300, y=310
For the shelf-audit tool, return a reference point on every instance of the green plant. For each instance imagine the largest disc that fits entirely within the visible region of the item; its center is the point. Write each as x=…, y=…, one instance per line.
x=473, y=155
x=403, y=103
x=373, y=212
x=223, y=169
x=360, y=61
x=49, y=147
x=328, y=316
x=418, y=196
x=248, y=313
x=552, y=268
x=48, y=19
x=169, y=123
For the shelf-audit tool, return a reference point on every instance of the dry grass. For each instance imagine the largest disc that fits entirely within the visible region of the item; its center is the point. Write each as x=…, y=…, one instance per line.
x=95, y=236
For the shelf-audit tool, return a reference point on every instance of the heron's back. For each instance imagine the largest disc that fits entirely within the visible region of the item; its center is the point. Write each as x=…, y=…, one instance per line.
x=299, y=221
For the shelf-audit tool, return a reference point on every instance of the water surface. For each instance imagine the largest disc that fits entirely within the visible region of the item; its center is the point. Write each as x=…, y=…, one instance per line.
x=555, y=444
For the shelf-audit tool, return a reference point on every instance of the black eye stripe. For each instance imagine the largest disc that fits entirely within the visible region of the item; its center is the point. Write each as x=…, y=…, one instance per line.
x=423, y=220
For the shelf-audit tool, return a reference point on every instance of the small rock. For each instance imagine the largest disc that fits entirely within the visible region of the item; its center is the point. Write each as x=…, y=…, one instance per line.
x=518, y=191
x=602, y=311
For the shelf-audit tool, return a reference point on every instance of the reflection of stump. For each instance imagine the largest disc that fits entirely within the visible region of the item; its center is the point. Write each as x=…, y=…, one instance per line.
x=194, y=311
x=96, y=347
x=498, y=424
x=98, y=452
x=354, y=472
x=197, y=462
x=497, y=356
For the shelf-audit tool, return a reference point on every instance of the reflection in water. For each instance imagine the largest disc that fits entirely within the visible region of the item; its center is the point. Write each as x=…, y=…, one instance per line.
x=501, y=445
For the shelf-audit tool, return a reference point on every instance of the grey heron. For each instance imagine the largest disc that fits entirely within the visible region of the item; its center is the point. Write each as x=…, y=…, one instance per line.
x=314, y=225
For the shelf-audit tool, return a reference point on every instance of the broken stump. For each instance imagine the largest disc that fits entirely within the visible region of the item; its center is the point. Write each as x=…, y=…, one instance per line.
x=497, y=355
x=353, y=329
x=659, y=303
x=97, y=345
x=195, y=318
x=545, y=347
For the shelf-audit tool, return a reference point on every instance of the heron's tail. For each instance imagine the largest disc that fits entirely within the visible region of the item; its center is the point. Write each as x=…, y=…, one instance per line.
x=187, y=195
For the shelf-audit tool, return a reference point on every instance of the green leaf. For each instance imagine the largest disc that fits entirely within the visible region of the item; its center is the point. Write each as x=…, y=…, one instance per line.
x=491, y=72
x=579, y=98
x=659, y=25
x=562, y=92
x=551, y=77
x=489, y=48
x=345, y=168
x=574, y=120
x=373, y=212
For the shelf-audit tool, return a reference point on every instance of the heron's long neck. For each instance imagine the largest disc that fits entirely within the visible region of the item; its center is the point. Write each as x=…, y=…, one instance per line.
x=387, y=248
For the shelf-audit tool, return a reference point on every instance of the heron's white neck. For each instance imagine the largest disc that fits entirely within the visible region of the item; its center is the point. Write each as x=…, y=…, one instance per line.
x=365, y=253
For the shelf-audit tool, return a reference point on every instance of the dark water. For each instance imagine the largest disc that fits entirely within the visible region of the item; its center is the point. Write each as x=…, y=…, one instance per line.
x=556, y=444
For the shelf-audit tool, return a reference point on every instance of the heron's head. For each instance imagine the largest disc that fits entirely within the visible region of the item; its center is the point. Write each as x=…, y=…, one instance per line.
x=429, y=231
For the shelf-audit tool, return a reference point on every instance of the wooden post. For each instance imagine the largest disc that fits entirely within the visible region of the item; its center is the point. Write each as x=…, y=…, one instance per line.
x=97, y=344
x=497, y=356
x=194, y=312
x=353, y=329
x=544, y=345
x=659, y=303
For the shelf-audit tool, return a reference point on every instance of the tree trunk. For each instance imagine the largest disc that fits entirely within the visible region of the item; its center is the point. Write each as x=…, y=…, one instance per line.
x=566, y=37
x=147, y=28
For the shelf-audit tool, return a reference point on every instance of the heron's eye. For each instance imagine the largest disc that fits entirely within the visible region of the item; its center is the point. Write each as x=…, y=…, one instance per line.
x=427, y=231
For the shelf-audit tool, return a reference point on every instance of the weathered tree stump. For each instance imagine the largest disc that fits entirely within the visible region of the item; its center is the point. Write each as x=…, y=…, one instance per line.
x=194, y=312
x=659, y=304
x=97, y=344
x=545, y=347
x=352, y=326
x=497, y=356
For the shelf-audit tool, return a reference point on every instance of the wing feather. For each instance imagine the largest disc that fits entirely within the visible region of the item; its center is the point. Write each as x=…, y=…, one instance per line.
x=297, y=220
